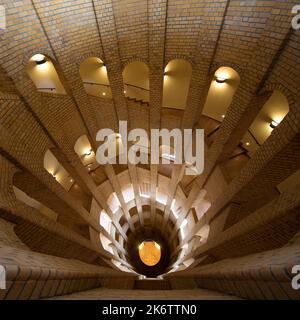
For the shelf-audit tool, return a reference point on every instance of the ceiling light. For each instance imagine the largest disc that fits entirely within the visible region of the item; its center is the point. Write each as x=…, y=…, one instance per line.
x=39, y=58
x=220, y=79
x=223, y=116
x=124, y=91
x=103, y=93
x=88, y=152
x=274, y=124
x=247, y=143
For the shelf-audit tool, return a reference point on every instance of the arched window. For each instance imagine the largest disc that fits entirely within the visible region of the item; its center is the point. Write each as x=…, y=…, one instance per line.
x=271, y=114
x=106, y=244
x=113, y=202
x=57, y=171
x=105, y=221
x=42, y=72
x=136, y=81
x=145, y=190
x=128, y=193
x=177, y=78
x=93, y=73
x=222, y=89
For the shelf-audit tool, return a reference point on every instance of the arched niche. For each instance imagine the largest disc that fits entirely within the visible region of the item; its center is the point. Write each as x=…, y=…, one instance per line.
x=221, y=92
x=42, y=72
x=57, y=171
x=106, y=243
x=86, y=153
x=270, y=116
x=93, y=73
x=177, y=78
x=136, y=81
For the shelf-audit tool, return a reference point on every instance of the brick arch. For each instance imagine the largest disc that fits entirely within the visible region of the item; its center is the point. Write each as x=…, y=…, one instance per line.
x=134, y=59
x=81, y=58
x=271, y=86
x=180, y=57
x=28, y=53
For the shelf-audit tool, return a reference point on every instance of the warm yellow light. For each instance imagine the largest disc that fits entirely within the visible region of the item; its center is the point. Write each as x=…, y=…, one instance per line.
x=88, y=152
x=38, y=58
x=150, y=253
x=103, y=93
x=220, y=79
x=247, y=143
x=274, y=124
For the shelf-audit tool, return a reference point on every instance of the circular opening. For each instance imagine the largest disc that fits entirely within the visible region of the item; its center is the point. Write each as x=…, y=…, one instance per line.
x=150, y=252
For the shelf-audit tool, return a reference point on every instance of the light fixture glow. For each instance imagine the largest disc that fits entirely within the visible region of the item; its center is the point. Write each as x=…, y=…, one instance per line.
x=223, y=116
x=274, y=124
x=39, y=58
x=247, y=143
x=220, y=79
x=149, y=252
x=88, y=152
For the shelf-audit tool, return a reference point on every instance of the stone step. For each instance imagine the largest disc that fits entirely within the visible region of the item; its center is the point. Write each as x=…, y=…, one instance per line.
x=152, y=284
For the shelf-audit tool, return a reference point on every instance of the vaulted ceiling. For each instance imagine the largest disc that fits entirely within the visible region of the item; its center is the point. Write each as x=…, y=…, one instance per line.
x=154, y=64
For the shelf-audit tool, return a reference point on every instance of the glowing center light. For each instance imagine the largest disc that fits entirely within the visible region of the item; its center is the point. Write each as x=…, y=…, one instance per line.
x=88, y=152
x=274, y=124
x=39, y=58
x=149, y=252
x=220, y=79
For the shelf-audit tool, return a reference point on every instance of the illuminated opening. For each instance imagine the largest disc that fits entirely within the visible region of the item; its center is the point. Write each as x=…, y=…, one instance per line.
x=150, y=252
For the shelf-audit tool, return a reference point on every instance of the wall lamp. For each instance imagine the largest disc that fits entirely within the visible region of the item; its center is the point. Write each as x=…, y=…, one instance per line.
x=88, y=153
x=39, y=59
x=220, y=79
x=274, y=124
